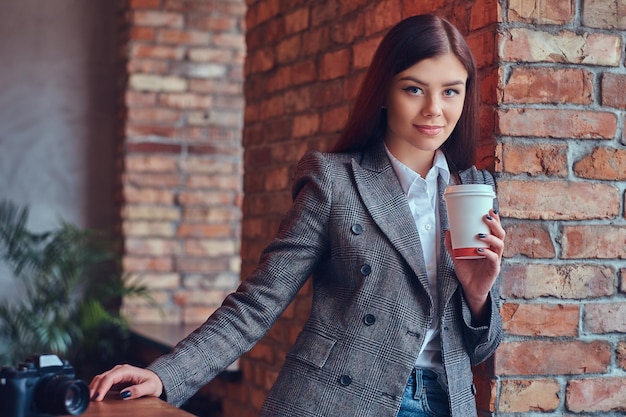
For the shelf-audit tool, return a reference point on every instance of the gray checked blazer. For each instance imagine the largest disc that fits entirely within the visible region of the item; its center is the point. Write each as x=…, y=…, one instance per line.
x=351, y=229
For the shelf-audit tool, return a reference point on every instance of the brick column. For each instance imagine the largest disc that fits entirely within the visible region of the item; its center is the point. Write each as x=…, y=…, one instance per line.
x=180, y=154
x=562, y=156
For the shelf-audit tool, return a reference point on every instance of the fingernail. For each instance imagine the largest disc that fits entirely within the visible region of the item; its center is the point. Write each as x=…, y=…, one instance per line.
x=95, y=396
x=480, y=250
x=489, y=217
x=125, y=394
x=495, y=211
x=482, y=235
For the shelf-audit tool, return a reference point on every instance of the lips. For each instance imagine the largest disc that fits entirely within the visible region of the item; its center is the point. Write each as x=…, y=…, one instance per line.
x=429, y=130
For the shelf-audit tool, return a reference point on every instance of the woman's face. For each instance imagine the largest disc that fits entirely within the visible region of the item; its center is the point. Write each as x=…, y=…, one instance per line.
x=424, y=104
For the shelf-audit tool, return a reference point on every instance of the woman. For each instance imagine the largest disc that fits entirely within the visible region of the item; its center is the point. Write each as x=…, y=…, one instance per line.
x=395, y=324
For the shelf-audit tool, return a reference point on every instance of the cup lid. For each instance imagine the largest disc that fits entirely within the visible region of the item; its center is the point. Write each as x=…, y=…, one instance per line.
x=470, y=189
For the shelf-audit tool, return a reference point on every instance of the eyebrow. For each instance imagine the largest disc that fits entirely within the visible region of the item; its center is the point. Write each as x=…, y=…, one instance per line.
x=418, y=81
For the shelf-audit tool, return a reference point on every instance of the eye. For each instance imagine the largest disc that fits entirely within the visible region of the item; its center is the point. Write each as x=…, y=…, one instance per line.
x=413, y=90
x=451, y=92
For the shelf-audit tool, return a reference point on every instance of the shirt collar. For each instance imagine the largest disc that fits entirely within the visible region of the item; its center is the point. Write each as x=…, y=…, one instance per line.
x=407, y=176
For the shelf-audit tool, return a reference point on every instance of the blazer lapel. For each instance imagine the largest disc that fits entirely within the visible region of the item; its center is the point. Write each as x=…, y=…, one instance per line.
x=383, y=196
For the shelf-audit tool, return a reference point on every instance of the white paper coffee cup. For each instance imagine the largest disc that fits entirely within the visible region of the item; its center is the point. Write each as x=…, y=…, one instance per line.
x=466, y=205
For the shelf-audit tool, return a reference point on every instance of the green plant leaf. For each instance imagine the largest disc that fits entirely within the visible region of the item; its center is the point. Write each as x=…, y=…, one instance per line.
x=71, y=290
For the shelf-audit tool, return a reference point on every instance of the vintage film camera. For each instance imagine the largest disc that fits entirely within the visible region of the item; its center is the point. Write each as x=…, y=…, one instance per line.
x=43, y=385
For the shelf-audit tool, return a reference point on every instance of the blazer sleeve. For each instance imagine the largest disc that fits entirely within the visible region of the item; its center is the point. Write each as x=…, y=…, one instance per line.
x=482, y=342
x=246, y=315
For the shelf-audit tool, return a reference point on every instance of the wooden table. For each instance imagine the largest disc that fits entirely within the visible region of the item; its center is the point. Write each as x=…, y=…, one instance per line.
x=162, y=336
x=113, y=406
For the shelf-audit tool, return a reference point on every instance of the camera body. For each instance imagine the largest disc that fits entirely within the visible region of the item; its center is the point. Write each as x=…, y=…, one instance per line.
x=42, y=386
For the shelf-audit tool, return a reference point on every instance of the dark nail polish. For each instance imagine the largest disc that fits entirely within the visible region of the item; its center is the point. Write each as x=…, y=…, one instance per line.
x=495, y=211
x=482, y=235
x=489, y=217
x=480, y=250
x=125, y=394
x=95, y=396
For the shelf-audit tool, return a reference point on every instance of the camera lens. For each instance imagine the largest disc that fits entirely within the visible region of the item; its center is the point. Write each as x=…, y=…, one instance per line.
x=75, y=402
x=61, y=395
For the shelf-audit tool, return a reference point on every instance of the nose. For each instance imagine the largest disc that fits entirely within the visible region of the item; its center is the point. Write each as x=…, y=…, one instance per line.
x=432, y=107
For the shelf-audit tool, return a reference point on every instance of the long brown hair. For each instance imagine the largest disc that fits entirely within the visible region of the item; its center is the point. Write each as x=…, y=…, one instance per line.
x=410, y=41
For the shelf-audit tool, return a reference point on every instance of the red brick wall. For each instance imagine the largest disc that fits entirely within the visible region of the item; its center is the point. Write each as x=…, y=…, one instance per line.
x=181, y=161
x=562, y=155
x=304, y=65
x=552, y=81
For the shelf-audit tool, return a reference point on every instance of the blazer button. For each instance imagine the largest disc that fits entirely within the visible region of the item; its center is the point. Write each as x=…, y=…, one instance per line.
x=357, y=229
x=366, y=270
x=369, y=319
x=345, y=380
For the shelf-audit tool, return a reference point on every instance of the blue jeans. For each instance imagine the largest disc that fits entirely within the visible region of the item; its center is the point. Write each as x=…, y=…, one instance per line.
x=424, y=396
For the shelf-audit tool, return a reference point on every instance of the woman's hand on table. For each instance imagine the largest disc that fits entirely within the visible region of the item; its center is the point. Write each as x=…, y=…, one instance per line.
x=131, y=381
